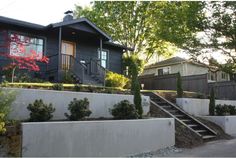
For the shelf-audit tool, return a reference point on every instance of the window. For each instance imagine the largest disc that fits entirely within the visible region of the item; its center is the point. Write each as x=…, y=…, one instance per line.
x=223, y=75
x=163, y=71
x=25, y=46
x=103, y=57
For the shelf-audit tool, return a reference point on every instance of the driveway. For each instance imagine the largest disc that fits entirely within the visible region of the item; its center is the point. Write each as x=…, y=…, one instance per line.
x=220, y=148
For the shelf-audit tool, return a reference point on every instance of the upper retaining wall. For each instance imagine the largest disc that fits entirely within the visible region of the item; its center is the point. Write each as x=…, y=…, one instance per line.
x=100, y=103
x=96, y=138
x=199, y=107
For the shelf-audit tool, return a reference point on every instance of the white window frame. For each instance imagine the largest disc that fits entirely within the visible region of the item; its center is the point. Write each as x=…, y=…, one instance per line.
x=168, y=67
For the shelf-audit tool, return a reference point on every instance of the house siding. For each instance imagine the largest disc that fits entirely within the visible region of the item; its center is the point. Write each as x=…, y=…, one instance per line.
x=85, y=49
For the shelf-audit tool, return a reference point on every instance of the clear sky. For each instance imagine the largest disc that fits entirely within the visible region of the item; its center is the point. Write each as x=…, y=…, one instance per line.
x=41, y=12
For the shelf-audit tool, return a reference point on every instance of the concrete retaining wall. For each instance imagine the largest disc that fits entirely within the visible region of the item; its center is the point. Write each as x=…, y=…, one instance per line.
x=100, y=103
x=96, y=138
x=227, y=123
x=199, y=107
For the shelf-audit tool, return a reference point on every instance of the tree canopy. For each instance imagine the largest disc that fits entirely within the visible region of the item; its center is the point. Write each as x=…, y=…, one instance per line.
x=147, y=27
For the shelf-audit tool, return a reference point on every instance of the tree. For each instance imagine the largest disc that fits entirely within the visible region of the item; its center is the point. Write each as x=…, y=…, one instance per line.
x=212, y=103
x=18, y=59
x=148, y=27
x=179, y=86
x=219, y=35
x=135, y=88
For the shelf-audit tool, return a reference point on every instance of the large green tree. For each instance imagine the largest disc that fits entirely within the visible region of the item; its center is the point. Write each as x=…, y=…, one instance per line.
x=148, y=27
x=219, y=29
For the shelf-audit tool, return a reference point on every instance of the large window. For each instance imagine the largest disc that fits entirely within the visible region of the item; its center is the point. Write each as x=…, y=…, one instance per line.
x=25, y=46
x=103, y=57
x=163, y=71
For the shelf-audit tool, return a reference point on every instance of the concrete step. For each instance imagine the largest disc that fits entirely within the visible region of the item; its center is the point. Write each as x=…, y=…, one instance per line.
x=208, y=137
x=192, y=125
x=201, y=131
x=186, y=120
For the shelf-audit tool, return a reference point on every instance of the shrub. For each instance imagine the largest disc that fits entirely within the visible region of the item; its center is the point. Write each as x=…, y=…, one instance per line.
x=232, y=110
x=124, y=110
x=135, y=88
x=6, y=99
x=40, y=111
x=179, y=86
x=58, y=86
x=68, y=78
x=116, y=80
x=223, y=110
x=212, y=103
x=79, y=109
x=2, y=123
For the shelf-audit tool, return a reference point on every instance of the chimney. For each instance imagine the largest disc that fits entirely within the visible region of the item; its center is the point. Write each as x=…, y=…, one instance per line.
x=68, y=16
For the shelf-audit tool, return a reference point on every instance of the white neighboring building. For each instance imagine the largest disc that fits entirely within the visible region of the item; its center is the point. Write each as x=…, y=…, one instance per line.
x=185, y=68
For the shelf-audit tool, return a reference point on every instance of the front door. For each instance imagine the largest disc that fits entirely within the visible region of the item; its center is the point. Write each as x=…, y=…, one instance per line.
x=68, y=53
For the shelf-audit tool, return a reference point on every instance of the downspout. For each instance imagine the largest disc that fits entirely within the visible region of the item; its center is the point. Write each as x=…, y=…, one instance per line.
x=59, y=55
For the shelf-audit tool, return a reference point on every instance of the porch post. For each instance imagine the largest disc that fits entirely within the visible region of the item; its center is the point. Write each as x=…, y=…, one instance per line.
x=104, y=80
x=59, y=55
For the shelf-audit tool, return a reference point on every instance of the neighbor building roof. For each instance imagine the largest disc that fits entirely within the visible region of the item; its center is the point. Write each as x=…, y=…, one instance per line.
x=173, y=61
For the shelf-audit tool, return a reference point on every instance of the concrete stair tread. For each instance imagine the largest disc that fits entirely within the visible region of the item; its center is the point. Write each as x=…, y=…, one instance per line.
x=201, y=131
x=182, y=116
x=208, y=136
x=185, y=120
x=192, y=125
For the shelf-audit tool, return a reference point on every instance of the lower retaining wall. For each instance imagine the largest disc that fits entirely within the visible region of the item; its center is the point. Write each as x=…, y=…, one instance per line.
x=227, y=123
x=199, y=107
x=96, y=138
x=100, y=103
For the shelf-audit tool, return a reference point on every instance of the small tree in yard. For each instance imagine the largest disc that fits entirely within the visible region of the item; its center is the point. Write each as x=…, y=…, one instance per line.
x=135, y=88
x=179, y=86
x=18, y=56
x=212, y=103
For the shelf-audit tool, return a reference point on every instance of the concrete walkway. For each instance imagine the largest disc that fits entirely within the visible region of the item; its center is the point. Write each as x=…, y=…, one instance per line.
x=220, y=148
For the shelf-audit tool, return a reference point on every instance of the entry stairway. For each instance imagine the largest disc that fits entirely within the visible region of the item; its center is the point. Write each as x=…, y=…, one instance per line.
x=181, y=116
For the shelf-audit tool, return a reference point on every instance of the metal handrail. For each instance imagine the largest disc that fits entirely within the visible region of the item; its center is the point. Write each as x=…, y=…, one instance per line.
x=97, y=70
x=70, y=63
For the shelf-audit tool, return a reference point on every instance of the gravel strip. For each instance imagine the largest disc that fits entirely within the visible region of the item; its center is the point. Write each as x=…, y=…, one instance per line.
x=159, y=153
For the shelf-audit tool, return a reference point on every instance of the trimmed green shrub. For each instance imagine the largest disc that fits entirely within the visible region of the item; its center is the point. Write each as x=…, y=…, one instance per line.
x=124, y=110
x=79, y=109
x=116, y=80
x=40, y=111
x=179, y=86
x=223, y=110
x=212, y=103
x=58, y=87
x=232, y=110
x=135, y=88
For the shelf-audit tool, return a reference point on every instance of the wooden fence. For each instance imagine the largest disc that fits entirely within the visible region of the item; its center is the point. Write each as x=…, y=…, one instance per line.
x=224, y=90
x=195, y=83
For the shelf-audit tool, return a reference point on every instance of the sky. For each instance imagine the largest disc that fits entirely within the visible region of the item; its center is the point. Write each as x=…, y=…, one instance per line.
x=41, y=12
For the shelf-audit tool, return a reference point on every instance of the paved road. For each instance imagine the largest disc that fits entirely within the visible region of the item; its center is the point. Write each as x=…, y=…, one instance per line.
x=220, y=148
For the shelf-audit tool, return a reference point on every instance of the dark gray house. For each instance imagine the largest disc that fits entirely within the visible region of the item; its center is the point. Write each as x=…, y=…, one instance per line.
x=74, y=45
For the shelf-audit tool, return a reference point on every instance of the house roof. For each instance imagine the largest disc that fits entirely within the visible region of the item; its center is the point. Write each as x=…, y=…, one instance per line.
x=173, y=61
x=74, y=21
x=25, y=24
x=20, y=23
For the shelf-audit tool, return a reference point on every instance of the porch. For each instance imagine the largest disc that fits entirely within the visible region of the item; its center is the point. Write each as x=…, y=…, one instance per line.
x=80, y=52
